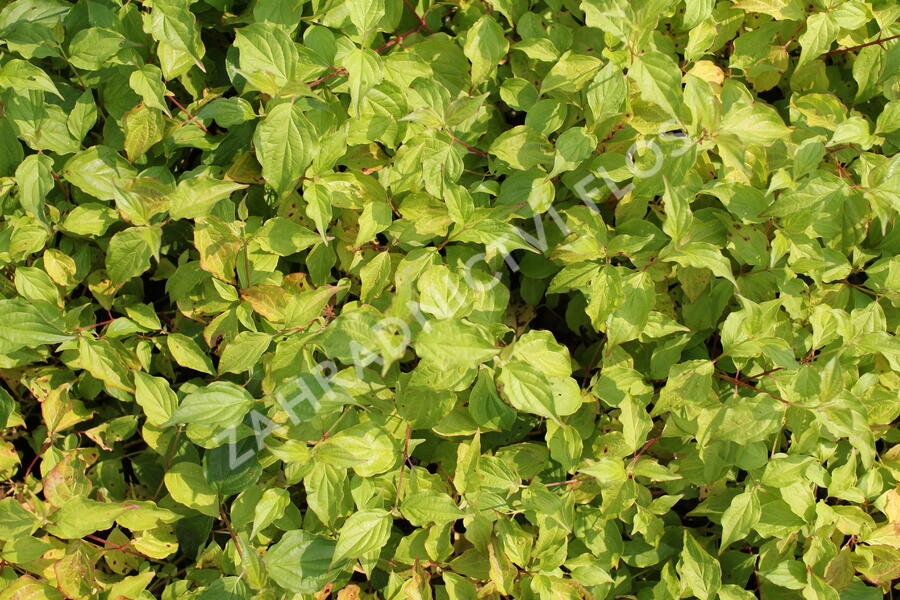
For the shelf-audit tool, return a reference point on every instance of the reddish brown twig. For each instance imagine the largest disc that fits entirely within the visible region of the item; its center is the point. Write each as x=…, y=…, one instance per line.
x=112, y=545
x=92, y=326
x=406, y=446
x=766, y=373
x=471, y=148
x=591, y=365
x=397, y=39
x=644, y=448
x=231, y=533
x=40, y=453
x=420, y=19
x=746, y=385
x=878, y=42
x=170, y=453
x=191, y=118
x=843, y=147
x=573, y=480
x=337, y=71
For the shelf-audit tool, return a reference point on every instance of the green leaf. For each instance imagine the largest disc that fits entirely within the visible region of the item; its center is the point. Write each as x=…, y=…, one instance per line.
x=755, y=123
x=108, y=361
x=527, y=389
x=740, y=516
x=636, y=423
x=374, y=276
x=485, y=45
x=270, y=507
x=34, y=176
x=29, y=325
x=143, y=128
x=423, y=508
x=365, y=15
x=94, y=47
x=22, y=75
x=700, y=255
x=284, y=237
x=268, y=57
x=229, y=588
x=363, y=532
x=220, y=403
x=659, y=80
x=368, y=450
x=195, y=197
x=243, y=352
x=628, y=320
x=698, y=570
x=301, y=561
x=148, y=84
x=90, y=219
x=187, y=485
x=155, y=397
x=130, y=252
x=28, y=588
x=364, y=72
x=228, y=112
x=15, y=520
x=678, y=213
x=572, y=147
x=570, y=73
x=98, y=171
x=174, y=24
x=817, y=36
x=610, y=284
x=82, y=516
x=455, y=343
x=522, y=147
x=187, y=353
x=83, y=116
x=284, y=146
x=696, y=11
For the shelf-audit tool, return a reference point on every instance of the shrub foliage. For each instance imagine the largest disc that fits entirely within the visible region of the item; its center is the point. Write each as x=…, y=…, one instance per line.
x=464, y=299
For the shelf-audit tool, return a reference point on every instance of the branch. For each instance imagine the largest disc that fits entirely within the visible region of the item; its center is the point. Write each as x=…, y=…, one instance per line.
x=100, y=324
x=879, y=41
x=112, y=545
x=644, y=448
x=397, y=40
x=191, y=118
x=44, y=447
x=575, y=480
x=471, y=148
x=420, y=19
x=337, y=71
x=746, y=385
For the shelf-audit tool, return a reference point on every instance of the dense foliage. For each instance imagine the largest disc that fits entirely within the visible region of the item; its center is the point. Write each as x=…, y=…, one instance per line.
x=464, y=299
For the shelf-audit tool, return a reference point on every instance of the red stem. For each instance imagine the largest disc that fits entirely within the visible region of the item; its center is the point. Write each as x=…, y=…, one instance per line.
x=645, y=447
x=746, y=385
x=100, y=324
x=112, y=545
x=471, y=148
x=574, y=480
x=337, y=71
x=191, y=118
x=40, y=453
x=593, y=363
x=397, y=40
x=421, y=20
x=879, y=41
